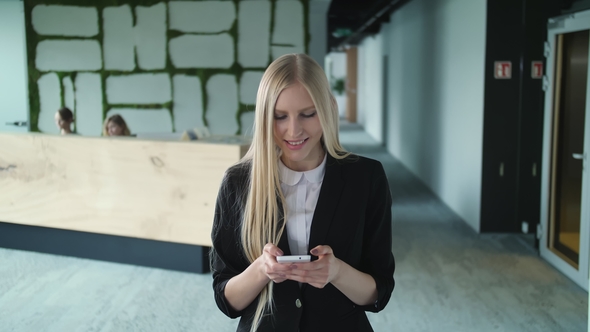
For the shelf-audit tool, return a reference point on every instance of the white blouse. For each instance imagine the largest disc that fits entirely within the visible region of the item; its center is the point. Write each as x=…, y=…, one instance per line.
x=301, y=191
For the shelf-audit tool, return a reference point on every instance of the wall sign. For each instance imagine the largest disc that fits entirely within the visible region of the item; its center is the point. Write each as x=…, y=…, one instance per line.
x=537, y=69
x=503, y=70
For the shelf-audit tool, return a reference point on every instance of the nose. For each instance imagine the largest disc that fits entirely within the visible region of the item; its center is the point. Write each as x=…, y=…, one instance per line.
x=295, y=127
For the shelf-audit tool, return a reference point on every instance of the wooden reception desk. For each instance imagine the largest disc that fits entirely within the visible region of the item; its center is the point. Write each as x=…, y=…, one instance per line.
x=156, y=194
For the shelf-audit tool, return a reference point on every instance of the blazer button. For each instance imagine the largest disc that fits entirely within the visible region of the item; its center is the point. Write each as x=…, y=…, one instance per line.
x=298, y=303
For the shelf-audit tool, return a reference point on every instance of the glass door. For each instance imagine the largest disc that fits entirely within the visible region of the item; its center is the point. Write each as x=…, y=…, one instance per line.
x=568, y=142
x=565, y=205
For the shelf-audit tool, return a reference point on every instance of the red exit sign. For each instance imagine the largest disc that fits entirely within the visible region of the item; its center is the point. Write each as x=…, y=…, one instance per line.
x=537, y=69
x=503, y=70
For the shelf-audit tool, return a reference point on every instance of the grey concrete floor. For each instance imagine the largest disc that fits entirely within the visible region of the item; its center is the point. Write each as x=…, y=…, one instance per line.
x=448, y=278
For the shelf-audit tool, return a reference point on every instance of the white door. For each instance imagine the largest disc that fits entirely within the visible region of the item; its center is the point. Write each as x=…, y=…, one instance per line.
x=14, y=105
x=565, y=205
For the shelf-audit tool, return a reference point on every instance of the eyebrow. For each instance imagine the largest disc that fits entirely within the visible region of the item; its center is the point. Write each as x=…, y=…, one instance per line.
x=301, y=110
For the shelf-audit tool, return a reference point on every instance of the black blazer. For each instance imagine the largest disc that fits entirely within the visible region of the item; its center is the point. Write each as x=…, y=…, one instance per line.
x=353, y=216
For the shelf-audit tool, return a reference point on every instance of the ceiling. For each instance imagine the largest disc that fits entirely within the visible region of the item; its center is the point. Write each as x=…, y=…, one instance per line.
x=349, y=21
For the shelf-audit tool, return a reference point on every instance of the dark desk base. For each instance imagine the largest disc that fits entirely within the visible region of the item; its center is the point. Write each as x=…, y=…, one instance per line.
x=118, y=249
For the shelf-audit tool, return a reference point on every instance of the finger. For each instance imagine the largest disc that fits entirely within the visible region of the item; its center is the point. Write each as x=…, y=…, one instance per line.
x=321, y=250
x=273, y=250
x=318, y=275
x=273, y=266
x=297, y=278
x=277, y=276
x=278, y=267
x=278, y=279
x=317, y=283
x=311, y=266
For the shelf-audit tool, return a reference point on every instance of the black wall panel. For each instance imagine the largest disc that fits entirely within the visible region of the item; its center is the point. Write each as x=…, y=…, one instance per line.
x=513, y=114
x=501, y=117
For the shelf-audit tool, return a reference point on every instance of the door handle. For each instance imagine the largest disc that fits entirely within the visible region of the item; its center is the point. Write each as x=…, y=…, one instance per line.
x=579, y=156
x=17, y=123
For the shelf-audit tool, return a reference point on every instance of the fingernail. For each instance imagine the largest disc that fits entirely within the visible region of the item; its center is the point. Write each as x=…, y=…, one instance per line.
x=293, y=266
x=280, y=252
x=314, y=251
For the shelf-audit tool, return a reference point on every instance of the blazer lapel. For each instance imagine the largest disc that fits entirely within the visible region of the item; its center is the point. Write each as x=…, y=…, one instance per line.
x=330, y=193
x=284, y=240
x=284, y=243
x=327, y=203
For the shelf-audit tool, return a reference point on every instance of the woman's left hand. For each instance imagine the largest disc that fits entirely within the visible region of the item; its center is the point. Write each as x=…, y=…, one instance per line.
x=319, y=272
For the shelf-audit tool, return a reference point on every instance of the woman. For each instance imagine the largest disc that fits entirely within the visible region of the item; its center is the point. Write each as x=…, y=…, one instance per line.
x=297, y=192
x=115, y=125
x=63, y=120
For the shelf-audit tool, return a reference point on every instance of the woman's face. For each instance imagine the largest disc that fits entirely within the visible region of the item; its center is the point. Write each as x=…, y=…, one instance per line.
x=60, y=123
x=114, y=129
x=297, y=129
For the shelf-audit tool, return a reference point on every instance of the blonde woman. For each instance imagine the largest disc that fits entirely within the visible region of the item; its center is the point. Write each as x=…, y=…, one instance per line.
x=297, y=192
x=115, y=125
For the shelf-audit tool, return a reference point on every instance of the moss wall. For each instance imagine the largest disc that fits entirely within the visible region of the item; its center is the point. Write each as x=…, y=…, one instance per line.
x=203, y=73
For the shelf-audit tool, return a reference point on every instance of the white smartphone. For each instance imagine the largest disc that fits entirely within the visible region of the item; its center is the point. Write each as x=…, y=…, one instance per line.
x=294, y=259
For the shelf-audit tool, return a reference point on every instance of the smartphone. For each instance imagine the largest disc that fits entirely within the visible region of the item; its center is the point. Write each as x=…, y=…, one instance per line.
x=294, y=259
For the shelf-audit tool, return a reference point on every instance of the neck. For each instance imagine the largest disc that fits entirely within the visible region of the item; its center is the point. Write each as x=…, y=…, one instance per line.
x=306, y=166
x=66, y=131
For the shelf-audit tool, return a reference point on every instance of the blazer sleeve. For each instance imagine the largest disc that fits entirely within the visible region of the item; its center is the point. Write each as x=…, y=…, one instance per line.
x=377, y=258
x=226, y=255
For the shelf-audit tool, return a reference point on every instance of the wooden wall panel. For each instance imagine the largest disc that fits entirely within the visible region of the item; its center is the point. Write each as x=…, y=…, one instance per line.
x=146, y=189
x=351, y=83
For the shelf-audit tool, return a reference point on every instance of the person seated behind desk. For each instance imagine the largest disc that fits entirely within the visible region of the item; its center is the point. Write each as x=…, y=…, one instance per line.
x=63, y=120
x=115, y=125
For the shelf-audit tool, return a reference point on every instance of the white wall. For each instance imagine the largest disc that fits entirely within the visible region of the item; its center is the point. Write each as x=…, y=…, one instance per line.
x=336, y=69
x=14, y=105
x=369, y=86
x=436, y=51
x=318, y=29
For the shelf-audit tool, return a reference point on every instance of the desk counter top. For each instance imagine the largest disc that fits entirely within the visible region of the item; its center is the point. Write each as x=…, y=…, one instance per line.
x=157, y=190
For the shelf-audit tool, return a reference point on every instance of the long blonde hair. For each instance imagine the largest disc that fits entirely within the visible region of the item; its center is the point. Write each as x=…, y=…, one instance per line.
x=263, y=220
x=118, y=119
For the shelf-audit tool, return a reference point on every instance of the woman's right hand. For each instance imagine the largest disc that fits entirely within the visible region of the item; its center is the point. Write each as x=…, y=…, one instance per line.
x=243, y=288
x=273, y=270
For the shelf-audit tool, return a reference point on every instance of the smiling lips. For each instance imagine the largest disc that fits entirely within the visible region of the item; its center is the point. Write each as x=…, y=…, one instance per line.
x=296, y=145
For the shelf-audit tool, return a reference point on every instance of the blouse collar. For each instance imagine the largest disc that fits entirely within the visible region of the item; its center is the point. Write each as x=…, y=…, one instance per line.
x=291, y=177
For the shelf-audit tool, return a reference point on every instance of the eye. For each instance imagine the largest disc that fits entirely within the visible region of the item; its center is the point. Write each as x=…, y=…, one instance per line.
x=309, y=115
x=280, y=117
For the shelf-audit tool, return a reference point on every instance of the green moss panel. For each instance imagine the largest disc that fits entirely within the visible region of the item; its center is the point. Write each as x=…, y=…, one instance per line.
x=203, y=73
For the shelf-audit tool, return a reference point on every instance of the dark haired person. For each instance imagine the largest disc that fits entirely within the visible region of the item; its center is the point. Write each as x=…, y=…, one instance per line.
x=63, y=120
